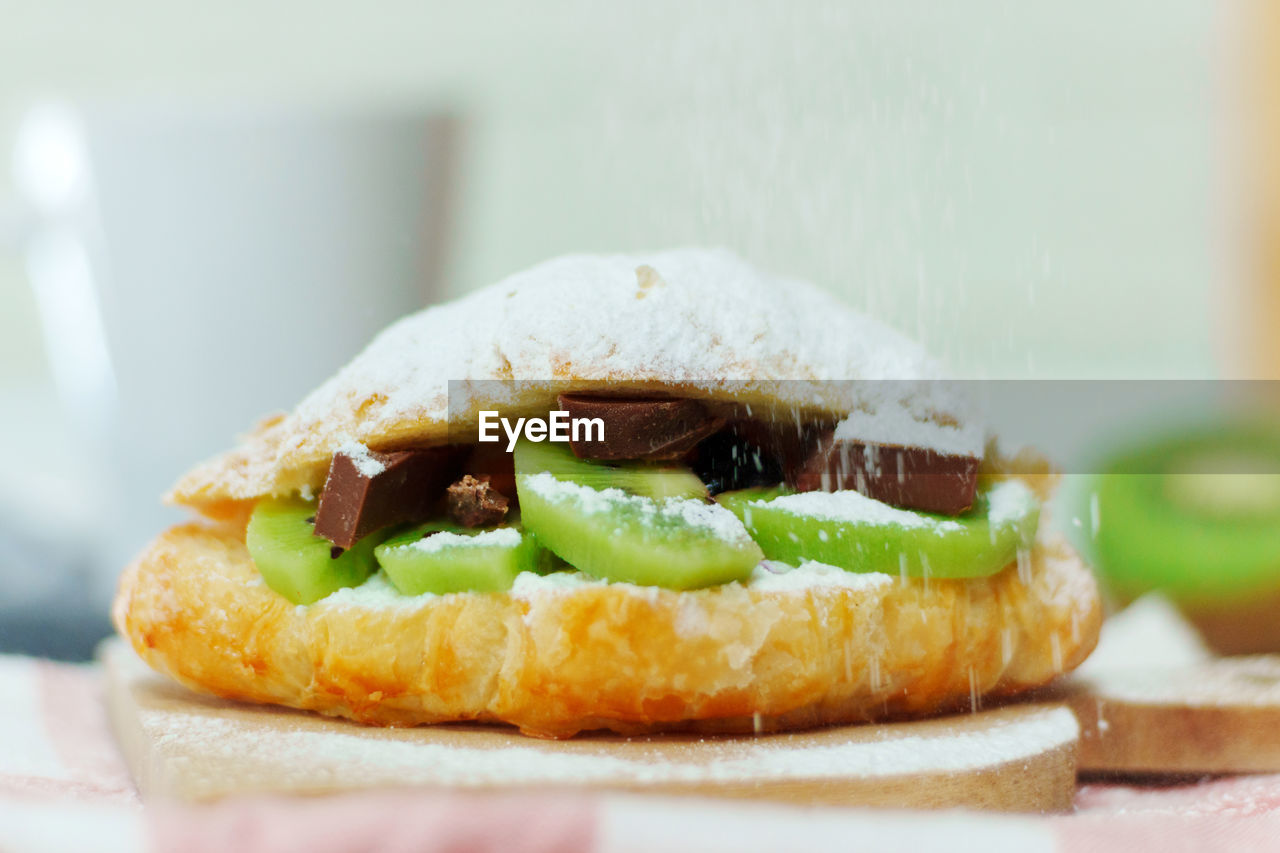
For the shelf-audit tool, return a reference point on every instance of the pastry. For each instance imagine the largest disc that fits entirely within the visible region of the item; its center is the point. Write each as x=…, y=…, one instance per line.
x=661, y=493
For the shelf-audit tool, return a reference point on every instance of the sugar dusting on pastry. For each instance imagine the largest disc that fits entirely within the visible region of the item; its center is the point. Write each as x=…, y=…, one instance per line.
x=715, y=316
x=706, y=319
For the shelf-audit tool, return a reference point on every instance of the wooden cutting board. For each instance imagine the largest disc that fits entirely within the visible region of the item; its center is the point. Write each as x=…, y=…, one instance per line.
x=1152, y=700
x=190, y=747
x=1217, y=716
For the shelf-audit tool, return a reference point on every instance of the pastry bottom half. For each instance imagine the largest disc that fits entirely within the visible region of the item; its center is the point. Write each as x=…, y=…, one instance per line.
x=555, y=659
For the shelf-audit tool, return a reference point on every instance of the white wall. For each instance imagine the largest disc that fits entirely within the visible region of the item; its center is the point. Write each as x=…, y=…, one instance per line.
x=1030, y=187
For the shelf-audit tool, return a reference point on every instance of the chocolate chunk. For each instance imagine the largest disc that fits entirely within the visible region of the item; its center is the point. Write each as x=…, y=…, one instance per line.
x=493, y=461
x=473, y=502
x=911, y=477
x=729, y=460
x=753, y=452
x=785, y=440
x=378, y=489
x=639, y=427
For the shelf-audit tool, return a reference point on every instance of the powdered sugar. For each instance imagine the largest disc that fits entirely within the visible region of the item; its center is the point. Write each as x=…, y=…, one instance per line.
x=707, y=516
x=704, y=315
x=1008, y=501
x=851, y=506
x=376, y=592
x=361, y=457
x=503, y=537
x=712, y=518
x=933, y=415
x=588, y=500
x=528, y=584
x=703, y=319
x=810, y=575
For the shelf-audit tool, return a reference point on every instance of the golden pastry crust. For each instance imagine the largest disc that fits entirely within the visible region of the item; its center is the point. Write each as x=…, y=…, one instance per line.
x=556, y=659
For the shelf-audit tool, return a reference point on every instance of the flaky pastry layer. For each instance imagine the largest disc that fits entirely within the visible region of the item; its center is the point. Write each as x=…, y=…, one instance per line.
x=558, y=660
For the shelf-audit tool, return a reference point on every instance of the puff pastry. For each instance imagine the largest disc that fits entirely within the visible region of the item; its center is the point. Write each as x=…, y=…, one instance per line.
x=555, y=657
x=561, y=654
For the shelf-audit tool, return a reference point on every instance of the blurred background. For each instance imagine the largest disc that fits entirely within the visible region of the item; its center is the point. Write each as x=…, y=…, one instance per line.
x=209, y=208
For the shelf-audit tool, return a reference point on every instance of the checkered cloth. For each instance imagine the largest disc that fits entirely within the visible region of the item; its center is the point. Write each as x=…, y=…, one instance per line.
x=63, y=786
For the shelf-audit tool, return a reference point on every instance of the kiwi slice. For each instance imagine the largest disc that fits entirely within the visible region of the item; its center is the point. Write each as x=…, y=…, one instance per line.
x=634, y=535
x=635, y=478
x=737, y=500
x=439, y=557
x=294, y=561
x=860, y=534
x=1194, y=514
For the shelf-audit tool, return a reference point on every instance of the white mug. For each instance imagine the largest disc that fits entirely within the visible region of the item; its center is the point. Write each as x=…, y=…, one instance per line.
x=197, y=268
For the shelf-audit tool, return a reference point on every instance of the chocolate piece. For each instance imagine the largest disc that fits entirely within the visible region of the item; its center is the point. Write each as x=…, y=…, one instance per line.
x=640, y=427
x=784, y=440
x=395, y=487
x=728, y=461
x=493, y=461
x=912, y=477
x=473, y=502
x=750, y=452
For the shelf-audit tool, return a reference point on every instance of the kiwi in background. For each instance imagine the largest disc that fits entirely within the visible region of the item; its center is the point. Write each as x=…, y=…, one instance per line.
x=1195, y=515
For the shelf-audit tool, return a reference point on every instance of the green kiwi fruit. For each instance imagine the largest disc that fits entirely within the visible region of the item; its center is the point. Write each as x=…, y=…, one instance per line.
x=1194, y=515
x=440, y=558
x=860, y=534
x=637, y=534
x=294, y=561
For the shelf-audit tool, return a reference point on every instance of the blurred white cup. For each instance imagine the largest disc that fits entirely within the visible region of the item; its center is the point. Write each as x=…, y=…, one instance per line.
x=198, y=267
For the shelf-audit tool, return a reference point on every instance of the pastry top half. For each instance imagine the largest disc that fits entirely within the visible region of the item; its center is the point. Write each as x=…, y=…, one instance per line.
x=701, y=323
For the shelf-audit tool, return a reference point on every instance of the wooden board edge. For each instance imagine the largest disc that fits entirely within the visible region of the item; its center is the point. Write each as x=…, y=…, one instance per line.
x=1040, y=783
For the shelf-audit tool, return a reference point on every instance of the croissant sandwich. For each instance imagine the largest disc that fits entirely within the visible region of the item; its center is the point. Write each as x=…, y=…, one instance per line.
x=652, y=493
